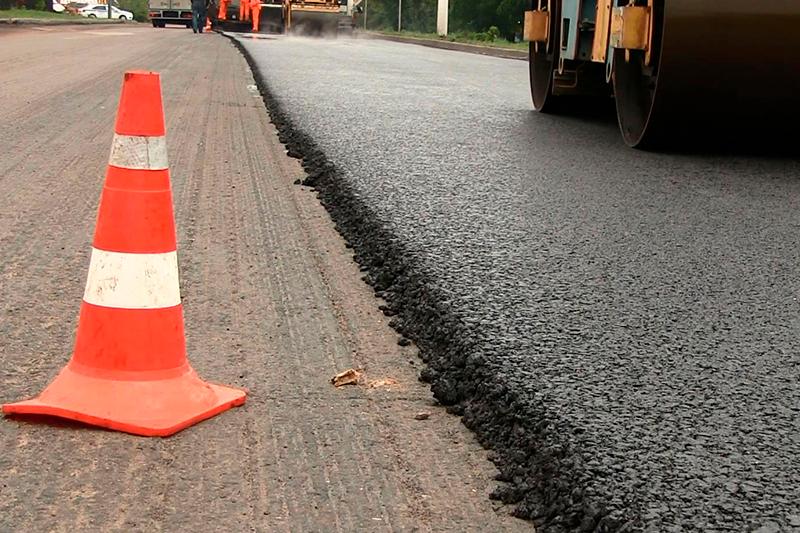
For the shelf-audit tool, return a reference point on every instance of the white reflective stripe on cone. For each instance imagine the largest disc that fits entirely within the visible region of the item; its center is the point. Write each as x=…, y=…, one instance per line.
x=138, y=152
x=133, y=281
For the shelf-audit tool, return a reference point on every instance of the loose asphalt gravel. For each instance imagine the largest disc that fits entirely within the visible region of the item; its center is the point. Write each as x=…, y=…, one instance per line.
x=619, y=326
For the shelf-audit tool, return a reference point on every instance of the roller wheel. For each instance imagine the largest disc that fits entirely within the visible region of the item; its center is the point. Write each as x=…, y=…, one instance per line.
x=721, y=74
x=543, y=60
x=635, y=85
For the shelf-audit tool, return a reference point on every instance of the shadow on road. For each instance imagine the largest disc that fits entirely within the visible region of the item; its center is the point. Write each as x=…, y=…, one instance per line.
x=726, y=138
x=54, y=422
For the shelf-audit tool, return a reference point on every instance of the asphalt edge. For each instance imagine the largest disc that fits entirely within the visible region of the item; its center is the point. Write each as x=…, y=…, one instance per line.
x=504, y=53
x=541, y=474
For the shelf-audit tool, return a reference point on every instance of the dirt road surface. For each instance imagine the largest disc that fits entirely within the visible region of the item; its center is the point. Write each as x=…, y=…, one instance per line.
x=273, y=303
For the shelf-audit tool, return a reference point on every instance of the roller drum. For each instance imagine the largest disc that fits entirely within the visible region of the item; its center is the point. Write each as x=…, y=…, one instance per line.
x=721, y=70
x=272, y=19
x=314, y=23
x=543, y=61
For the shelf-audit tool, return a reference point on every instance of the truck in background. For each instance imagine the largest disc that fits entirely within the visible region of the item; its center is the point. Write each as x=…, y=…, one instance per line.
x=163, y=12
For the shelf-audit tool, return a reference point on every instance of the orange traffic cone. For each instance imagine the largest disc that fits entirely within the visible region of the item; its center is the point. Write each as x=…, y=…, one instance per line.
x=129, y=371
x=208, y=24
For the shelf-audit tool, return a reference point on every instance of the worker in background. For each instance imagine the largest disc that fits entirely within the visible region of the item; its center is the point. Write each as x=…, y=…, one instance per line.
x=211, y=10
x=223, y=10
x=244, y=9
x=255, y=11
x=198, y=15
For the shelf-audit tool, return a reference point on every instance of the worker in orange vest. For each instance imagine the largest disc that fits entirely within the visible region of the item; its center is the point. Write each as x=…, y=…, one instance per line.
x=244, y=9
x=223, y=9
x=255, y=10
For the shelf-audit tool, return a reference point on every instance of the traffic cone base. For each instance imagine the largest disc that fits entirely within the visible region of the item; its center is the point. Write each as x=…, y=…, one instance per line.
x=157, y=408
x=129, y=370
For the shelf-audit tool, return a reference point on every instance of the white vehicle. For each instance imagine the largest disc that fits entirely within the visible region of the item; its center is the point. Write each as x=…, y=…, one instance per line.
x=58, y=8
x=98, y=11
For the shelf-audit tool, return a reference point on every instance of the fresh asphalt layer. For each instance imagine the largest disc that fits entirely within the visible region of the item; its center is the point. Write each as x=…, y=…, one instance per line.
x=621, y=327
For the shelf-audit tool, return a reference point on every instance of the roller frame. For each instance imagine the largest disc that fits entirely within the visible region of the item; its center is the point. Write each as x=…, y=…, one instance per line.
x=707, y=65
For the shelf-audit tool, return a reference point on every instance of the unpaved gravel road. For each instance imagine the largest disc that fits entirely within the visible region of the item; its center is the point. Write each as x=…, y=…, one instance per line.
x=273, y=303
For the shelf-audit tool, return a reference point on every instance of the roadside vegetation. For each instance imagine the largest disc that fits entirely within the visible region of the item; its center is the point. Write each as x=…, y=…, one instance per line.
x=480, y=39
x=43, y=9
x=32, y=14
x=486, y=22
x=137, y=7
x=26, y=5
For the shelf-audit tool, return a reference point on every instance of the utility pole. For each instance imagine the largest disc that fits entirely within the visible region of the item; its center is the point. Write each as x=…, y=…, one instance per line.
x=366, y=8
x=441, y=18
x=399, y=15
x=109, y=9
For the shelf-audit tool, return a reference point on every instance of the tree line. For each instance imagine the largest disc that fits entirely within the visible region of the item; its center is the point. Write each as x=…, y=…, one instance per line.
x=465, y=15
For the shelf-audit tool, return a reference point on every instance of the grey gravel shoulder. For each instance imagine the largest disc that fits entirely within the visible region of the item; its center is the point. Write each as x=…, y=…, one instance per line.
x=450, y=45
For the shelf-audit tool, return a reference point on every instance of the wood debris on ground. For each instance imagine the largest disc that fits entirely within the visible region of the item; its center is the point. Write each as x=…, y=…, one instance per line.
x=348, y=377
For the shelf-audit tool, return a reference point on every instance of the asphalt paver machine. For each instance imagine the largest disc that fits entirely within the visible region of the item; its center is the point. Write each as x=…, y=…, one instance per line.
x=319, y=17
x=301, y=17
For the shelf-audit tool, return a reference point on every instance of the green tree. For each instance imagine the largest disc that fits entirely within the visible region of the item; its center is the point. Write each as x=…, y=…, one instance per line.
x=418, y=15
x=137, y=7
x=466, y=16
x=510, y=15
x=480, y=15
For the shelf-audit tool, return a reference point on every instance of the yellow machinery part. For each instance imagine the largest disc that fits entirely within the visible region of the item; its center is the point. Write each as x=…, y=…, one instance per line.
x=716, y=71
x=601, y=33
x=537, y=26
x=313, y=17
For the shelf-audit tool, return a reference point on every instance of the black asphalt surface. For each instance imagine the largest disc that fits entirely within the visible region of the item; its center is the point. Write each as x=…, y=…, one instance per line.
x=621, y=327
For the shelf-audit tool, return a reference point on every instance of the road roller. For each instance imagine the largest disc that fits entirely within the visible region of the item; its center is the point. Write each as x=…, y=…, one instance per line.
x=319, y=17
x=680, y=71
